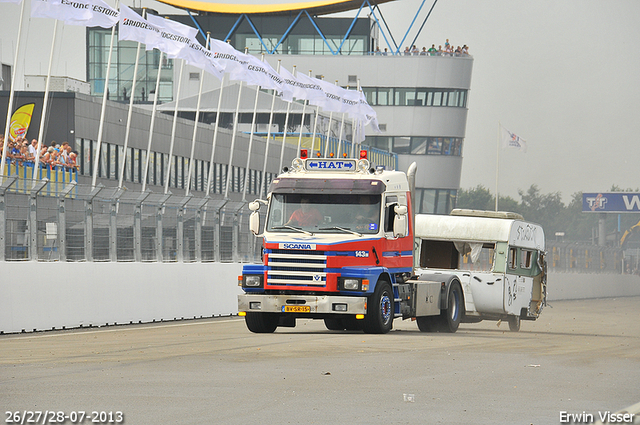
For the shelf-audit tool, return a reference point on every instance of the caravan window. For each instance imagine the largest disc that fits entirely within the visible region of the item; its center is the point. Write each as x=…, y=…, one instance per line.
x=513, y=258
x=525, y=259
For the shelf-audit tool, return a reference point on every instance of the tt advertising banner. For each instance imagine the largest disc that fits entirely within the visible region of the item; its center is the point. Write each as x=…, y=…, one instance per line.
x=612, y=202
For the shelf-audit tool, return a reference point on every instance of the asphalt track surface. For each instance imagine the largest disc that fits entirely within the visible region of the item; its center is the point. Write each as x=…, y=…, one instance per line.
x=580, y=356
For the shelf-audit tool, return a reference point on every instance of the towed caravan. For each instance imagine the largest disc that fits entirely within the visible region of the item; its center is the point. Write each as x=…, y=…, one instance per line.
x=498, y=257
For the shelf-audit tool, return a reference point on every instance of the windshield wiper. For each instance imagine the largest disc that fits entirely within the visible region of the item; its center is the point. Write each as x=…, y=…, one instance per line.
x=343, y=229
x=293, y=228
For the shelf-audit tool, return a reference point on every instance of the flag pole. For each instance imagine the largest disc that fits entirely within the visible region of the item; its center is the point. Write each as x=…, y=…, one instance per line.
x=497, y=163
x=236, y=120
x=284, y=134
x=195, y=125
x=43, y=118
x=266, y=149
x=11, y=96
x=304, y=106
x=129, y=114
x=253, y=124
x=96, y=154
x=145, y=176
x=215, y=136
x=173, y=132
x=340, y=136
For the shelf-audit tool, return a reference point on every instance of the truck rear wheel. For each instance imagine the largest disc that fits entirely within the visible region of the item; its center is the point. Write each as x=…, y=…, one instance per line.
x=379, y=317
x=449, y=319
x=514, y=323
x=427, y=323
x=261, y=323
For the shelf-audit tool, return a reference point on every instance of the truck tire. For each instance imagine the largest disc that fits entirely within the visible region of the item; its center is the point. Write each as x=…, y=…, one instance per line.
x=427, y=323
x=380, y=310
x=514, y=323
x=334, y=324
x=261, y=323
x=450, y=319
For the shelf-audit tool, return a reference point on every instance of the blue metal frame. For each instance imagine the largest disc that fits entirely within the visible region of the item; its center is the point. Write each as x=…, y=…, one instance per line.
x=394, y=48
x=320, y=32
x=411, y=25
x=350, y=27
x=286, y=33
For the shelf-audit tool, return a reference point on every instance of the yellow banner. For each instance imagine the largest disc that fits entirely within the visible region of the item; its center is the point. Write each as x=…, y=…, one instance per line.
x=20, y=121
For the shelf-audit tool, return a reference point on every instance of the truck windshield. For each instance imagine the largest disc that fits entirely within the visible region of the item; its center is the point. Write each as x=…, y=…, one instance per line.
x=324, y=213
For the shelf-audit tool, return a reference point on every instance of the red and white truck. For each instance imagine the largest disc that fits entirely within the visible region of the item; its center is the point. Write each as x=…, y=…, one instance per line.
x=338, y=245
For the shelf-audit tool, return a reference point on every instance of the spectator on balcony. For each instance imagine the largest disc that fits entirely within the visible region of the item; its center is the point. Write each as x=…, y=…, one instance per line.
x=440, y=51
x=432, y=50
x=377, y=51
x=448, y=50
x=72, y=164
x=46, y=156
x=465, y=50
x=415, y=51
x=407, y=52
x=27, y=157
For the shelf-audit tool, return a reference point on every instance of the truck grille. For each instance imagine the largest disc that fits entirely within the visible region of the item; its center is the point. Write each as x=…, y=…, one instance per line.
x=297, y=267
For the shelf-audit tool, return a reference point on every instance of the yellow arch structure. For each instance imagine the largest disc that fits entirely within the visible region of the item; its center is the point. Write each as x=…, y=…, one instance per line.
x=319, y=7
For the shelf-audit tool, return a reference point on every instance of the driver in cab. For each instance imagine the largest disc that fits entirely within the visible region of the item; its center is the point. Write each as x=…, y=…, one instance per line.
x=367, y=216
x=305, y=216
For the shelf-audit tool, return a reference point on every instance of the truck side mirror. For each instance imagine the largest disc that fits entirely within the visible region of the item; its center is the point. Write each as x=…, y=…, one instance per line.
x=400, y=221
x=254, y=223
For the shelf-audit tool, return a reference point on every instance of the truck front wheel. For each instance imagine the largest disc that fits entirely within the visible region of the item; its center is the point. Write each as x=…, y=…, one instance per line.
x=379, y=317
x=261, y=323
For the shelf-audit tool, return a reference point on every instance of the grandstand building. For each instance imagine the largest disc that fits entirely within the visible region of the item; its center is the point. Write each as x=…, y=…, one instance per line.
x=421, y=100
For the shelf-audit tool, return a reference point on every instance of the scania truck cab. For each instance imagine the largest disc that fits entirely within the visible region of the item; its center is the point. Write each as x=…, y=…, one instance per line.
x=336, y=244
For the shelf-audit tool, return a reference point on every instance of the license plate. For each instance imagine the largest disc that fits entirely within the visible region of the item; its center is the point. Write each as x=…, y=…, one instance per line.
x=296, y=309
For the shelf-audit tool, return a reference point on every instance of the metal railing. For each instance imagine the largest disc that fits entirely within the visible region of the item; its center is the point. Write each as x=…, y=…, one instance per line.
x=585, y=258
x=41, y=222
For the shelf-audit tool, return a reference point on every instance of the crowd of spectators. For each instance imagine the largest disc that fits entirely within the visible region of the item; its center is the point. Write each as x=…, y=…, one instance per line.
x=54, y=156
x=448, y=50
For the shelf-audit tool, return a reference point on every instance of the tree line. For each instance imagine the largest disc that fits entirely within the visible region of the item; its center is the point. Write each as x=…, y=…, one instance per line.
x=552, y=214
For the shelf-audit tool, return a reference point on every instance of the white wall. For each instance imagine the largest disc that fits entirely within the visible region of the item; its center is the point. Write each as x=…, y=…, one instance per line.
x=43, y=296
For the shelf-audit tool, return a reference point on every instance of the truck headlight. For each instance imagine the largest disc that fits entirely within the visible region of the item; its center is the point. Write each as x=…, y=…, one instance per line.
x=252, y=281
x=351, y=284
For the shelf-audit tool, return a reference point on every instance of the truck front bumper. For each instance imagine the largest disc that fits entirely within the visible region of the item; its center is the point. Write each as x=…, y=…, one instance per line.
x=303, y=304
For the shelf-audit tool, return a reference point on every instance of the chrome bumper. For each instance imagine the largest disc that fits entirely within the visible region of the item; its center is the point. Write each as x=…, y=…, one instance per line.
x=316, y=304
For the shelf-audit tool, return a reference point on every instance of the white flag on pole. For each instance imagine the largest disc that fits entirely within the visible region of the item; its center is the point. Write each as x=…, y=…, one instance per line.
x=332, y=96
x=291, y=87
x=308, y=89
x=261, y=74
x=228, y=59
x=511, y=140
x=135, y=28
x=56, y=10
x=88, y=13
x=174, y=36
x=179, y=41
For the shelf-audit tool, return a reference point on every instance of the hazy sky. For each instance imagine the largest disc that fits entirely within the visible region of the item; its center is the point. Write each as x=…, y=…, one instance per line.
x=562, y=74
